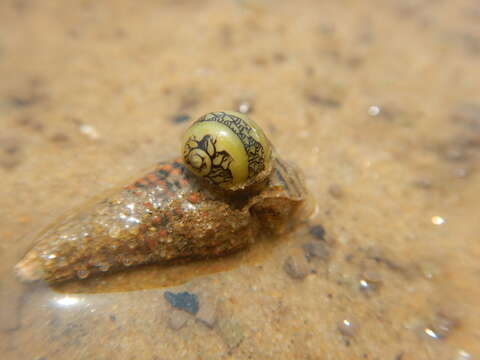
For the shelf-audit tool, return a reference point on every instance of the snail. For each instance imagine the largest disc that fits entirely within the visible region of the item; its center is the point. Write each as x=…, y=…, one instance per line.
x=227, y=190
x=228, y=149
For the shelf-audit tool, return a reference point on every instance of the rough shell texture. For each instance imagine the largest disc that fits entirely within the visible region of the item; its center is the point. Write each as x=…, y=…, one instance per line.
x=227, y=149
x=166, y=215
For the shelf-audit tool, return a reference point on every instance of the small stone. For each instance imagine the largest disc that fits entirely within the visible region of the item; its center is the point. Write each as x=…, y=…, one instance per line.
x=184, y=301
x=429, y=270
x=296, y=266
x=320, y=99
x=425, y=184
x=25, y=100
x=468, y=114
x=89, y=131
x=317, y=250
x=439, y=327
x=462, y=355
x=462, y=172
x=336, y=191
x=317, y=231
x=27, y=121
x=347, y=328
x=59, y=138
x=455, y=153
x=181, y=118
x=231, y=333
x=372, y=276
x=367, y=286
x=245, y=107
x=207, y=314
x=279, y=57
x=177, y=319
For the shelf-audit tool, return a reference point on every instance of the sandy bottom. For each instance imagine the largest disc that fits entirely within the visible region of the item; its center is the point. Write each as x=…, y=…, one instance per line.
x=378, y=103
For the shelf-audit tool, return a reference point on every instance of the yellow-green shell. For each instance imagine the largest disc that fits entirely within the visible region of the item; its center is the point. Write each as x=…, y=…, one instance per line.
x=227, y=149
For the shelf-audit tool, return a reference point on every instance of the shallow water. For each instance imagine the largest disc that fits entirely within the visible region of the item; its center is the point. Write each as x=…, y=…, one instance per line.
x=378, y=103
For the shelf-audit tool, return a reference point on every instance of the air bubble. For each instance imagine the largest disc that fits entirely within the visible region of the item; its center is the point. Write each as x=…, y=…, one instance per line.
x=374, y=110
x=438, y=220
x=103, y=266
x=114, y=232
x=463, y=355
x=347, y=328
x=127, y=261
x=134, y=230
x=244, y=107
x=82, y=274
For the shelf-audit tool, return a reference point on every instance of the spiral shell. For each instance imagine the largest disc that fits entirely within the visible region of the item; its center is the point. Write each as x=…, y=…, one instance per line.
x=227, y=149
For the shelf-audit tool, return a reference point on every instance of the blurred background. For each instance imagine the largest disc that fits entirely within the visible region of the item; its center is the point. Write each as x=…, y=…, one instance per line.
x=378, y=102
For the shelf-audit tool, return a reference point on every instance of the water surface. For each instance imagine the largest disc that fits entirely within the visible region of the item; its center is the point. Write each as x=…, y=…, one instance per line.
x=378, y=103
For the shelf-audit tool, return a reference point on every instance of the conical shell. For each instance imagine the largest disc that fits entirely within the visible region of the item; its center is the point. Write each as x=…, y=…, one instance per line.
x=166, y=215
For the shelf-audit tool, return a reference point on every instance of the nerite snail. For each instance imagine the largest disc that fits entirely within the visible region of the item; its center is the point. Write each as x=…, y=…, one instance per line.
x=228, y=149
x=227, y=190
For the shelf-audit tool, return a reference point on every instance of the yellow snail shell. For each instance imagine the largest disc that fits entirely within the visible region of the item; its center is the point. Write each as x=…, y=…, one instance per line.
x=227, y=149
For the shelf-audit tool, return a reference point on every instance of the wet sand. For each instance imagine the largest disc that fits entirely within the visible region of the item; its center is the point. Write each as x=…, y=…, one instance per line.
x=376, y=101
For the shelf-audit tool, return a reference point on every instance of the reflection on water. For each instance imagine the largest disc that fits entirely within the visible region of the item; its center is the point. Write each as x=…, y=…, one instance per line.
x=379, y=108
x=66, y=301
x=161, y=276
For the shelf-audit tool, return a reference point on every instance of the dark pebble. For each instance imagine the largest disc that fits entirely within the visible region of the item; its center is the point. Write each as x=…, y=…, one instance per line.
x=260, y=61
x=25, y=101
x=22, y=101
x=323, y=101
x=296, y=267
x=455, y=153
x=318, y=250
x=183, y=301
x=471, y=43
x=347, y=328
x=28, y=122
x=10, y=153
x=279, y=57
x=181, y=118
x=189, y=100
x=59, y=138
x=335, y=191
x=317, y=231
x=468, y=115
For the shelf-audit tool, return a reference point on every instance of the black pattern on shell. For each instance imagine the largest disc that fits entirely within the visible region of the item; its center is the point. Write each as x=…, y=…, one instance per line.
x=255, y=151
x=202, y=155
